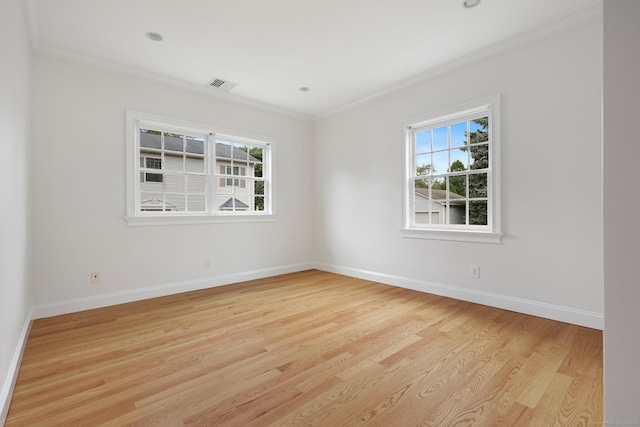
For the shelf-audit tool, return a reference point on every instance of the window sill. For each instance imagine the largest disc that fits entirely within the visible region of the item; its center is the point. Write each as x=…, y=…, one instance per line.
x=452, y=235
x=135, y=221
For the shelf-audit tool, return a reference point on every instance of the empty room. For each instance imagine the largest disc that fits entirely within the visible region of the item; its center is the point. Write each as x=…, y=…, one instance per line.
x=336, y=213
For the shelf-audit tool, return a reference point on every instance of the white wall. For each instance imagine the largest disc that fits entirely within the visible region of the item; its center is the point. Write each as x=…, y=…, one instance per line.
x=551, y=156
x=79, y=192
x=621, y=226
x=15, y=278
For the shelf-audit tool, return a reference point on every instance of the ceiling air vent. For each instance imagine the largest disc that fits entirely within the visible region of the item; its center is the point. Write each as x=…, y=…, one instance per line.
x=221, y=84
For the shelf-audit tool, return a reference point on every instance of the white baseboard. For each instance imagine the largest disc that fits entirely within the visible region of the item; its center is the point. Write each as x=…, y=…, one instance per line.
x=14, y=368
x=560, y=313
x=535, y=308
x=550, y=311
x=98, y=301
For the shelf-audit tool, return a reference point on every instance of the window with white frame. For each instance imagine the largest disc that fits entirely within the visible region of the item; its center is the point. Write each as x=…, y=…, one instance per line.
x=181, y=169
x=151, y=163
x=240, y=167
x=451, y=174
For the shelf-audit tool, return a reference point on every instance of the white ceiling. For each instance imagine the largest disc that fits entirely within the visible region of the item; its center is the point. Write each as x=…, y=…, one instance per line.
x=343, y=50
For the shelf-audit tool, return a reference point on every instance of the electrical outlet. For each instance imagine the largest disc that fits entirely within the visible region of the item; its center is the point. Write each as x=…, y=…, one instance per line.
x=95, y=277
x=475, y=272
x=207, y=264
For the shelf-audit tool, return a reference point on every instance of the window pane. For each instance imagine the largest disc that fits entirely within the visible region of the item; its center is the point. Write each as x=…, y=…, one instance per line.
x=195, y=164
x=457, y=187
x=196, y=203
x=233, y=170
x=242, y=203
x=479, y=130
x=153, y=177
x=151, y=202
x=240, y=152
x=461, y=156
x=423, y=164
x=421, y=183
x=479, y=156
x=195, y=145
x=425, y=210
x=174, y=183
x=223, y=150
x=173, y=162
x=426, y=216
x=175, y=202
x=478, y=185
x=241, y=168
x=478, y=212
x=440, y=138
x=457, y=210
x=458, y=134
x=224, y=202
x=258, y=187
x=437, y=183
x=423, y=142
x=196, y=183
x=150, y=138
x=174, y=142
x=256, y=154
x=153, y=163
x=259, y=203
x=439, y=189
x=440, y=162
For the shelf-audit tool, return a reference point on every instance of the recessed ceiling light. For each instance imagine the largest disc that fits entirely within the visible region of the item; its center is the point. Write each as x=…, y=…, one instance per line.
x=156, y=37
x=470, y=3
x=304, y=89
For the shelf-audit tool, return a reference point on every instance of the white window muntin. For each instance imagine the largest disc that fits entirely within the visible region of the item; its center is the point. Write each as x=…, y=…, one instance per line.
x=137, y=120
x=485, y=108
x=244, y=180
x=185, y=192
x=434, y=124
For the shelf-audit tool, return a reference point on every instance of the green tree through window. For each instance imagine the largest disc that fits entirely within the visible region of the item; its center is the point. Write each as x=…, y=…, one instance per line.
x=478, y=182
x=258, y=185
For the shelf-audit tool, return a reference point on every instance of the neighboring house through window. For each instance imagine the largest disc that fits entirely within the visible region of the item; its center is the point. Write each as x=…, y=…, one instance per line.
x=451, y=186
x=152, y=163
x=235, y=158
x=182, y=169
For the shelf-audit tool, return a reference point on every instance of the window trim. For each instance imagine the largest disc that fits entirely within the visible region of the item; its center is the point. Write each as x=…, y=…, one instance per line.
x=134, y=217
x=481, y=234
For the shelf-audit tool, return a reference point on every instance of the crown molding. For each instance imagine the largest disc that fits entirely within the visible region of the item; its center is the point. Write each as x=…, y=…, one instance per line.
x=34, y=25
x=568, y=23
x=165, y=80
x=586, y=16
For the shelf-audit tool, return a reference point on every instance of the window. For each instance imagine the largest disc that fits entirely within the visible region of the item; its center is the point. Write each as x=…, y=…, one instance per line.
x=152, y=163
x=189, y=171
x=451, y=174
x=235, y=170
x=240, y=158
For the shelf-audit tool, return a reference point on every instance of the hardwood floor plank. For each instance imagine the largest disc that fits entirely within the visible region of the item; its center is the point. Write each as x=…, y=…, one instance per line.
x=548, y=411
x=308, y=348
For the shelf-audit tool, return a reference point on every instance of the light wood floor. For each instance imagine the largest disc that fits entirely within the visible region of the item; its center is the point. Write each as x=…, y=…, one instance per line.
x=308, y=348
